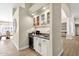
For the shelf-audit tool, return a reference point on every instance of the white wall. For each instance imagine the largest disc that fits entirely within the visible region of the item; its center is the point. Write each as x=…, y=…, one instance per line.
x=72, y=24
x=66, y=9
x=15, y=39
x=63, y=16
x=57, y=42
x=25, y=23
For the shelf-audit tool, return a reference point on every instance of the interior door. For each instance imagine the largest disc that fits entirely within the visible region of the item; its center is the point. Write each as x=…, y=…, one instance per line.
x=77, y=30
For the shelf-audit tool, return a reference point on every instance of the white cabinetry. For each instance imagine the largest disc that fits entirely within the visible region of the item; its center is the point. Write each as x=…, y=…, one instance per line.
x=41, y=46
x=44, y=47
x=37, y=44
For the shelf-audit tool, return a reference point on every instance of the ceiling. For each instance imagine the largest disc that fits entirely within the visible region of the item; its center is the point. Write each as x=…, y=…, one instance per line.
x=37, y=8
x=75, y=9
x=6, y=11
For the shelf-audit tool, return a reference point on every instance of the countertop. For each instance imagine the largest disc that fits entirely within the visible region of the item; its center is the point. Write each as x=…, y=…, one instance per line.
x=41, y=36
x=44, y=36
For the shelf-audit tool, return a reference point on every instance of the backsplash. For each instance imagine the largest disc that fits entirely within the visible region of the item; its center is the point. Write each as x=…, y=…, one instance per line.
x=43, y=30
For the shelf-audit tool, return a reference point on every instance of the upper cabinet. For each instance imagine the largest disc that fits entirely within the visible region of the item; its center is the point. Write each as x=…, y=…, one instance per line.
x=45, y=18
x=36, y=21
x=41, y=14
x=48, y=18
x=42, y=20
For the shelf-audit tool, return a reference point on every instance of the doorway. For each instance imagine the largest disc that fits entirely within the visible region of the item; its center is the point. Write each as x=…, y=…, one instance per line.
x=77, y=29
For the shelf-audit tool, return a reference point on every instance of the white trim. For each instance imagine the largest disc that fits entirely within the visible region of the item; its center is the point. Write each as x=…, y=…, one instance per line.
x=18, y=47
x=24, y=47
x=61, y=52
x=69, y=37
x=15, y=44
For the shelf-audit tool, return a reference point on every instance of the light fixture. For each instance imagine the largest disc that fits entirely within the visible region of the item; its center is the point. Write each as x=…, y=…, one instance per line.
x=44, y=8
x=32, y=14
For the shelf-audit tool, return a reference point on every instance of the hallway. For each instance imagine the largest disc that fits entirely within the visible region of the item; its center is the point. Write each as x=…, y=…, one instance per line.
x=71, y=47
x=8, y=49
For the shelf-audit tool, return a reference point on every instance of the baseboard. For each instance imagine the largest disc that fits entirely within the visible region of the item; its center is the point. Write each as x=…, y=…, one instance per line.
x=24, y=47
x=18, y=47
x=61, y=52
x=15, y=45
x=69, y=37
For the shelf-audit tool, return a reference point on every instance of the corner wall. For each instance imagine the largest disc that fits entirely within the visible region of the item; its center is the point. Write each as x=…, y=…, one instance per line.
x=25, y=23
x=15, y=39
x=57, y=41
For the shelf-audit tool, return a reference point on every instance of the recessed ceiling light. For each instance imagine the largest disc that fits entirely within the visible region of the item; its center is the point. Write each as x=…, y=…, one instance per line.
x=33, y=14
x=44, y=8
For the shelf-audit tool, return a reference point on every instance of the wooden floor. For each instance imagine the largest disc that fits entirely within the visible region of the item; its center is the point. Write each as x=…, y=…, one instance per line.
x=8, y=49
x=71, y=47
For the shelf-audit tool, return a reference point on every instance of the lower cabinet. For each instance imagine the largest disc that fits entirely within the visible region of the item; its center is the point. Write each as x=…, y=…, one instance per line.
x=41, y=46
x=37, y=44
x=44, y=47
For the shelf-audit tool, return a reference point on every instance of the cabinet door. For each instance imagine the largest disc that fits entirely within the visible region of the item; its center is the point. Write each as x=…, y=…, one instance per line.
x=44, y=47
x=35, y=44
x=38, y=45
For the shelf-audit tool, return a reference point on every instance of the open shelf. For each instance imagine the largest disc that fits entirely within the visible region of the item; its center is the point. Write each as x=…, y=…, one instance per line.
x=64, y=29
